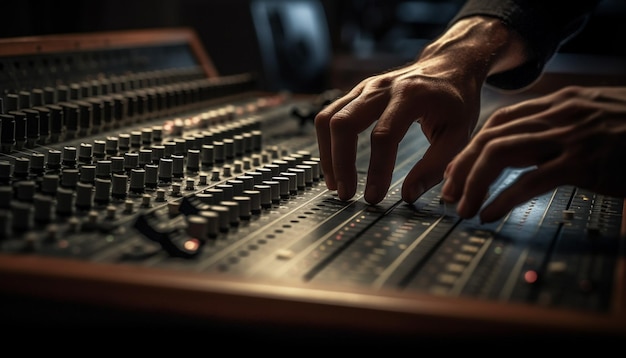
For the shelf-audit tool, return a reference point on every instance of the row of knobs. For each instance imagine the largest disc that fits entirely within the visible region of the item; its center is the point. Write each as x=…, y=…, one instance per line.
x=72, y=180
x=121, y=154
x=222, y=207
x=245, y=194
x=51, y=115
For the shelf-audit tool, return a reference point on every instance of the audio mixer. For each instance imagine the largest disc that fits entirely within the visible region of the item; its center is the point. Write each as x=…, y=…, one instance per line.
x=136, y=179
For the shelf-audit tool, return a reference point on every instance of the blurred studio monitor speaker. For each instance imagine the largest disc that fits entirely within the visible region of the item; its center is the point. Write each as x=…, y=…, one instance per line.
x=294, y=43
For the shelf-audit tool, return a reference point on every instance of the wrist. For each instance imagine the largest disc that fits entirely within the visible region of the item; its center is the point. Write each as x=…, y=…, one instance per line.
x=479, y=46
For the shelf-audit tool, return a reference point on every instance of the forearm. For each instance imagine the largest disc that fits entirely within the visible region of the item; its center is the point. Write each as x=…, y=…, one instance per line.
x=543, y=26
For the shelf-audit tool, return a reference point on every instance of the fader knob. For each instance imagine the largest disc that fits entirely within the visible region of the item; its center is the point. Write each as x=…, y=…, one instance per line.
x=69, y=178
x=87, y=174
x=21, y=167
x=233, y=211
x=212, y=222
x=37, y=163
x=7, y=132
x=293, y=181
x=56, y=122
x=99, y=149
x=25, y=190
x=123, y=142
x=193, y=160
x=6, y=217
x=237, y=186
x=131, y=161
x=197, y=227
x=32, y=127
x=146, y=136
x=137, y=180
x=218, y=194
x=54, y=160
x=103, y=169
x=178, y=166
x=65, y=202
x=227, y=191
x=244, y=203
x=223, y=215
x=20, y=129
x=6, y=195
x=49, y=95
x=255, y=200
x=85, y=153
x=70, y=118
x=37, y=96
x=247, y=180
x=152, y=176
x=274, y=190
x=44, y=124
x=158, y=152
x=5, y=171
x=111, y=145
x=102, y=191
x=165, y=170
x=43, y=208
x=300, y=180
x=266, y=195
x=119, y=186
x=84, y=196
x=117, y=165
x=283, y=186
x=69, y=157
x=49, y=184
x=208, y=156
x=22, y=216
x=315, y=168
x=145, y=157
x=308, y=173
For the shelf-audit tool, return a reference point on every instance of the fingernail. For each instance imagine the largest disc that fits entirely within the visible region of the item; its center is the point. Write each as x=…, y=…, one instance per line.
x=460, y=209
x=446, y=190
x=330, y=185
x=415, y=192
x=341, y=191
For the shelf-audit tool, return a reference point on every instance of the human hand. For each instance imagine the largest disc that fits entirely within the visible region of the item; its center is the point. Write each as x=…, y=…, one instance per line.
x=446, y=107
x=575, y=136
x=441, y=90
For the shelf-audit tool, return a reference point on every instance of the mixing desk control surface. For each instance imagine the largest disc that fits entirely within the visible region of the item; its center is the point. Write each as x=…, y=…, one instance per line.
x=132, y=176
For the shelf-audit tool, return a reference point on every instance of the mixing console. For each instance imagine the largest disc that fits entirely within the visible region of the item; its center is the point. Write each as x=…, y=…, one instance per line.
x=132, y=176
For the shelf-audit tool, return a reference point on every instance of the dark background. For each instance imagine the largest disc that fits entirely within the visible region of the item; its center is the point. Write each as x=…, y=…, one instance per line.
x=364, y=36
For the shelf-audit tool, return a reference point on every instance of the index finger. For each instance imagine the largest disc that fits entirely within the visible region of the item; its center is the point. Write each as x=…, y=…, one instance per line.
x=322, y=130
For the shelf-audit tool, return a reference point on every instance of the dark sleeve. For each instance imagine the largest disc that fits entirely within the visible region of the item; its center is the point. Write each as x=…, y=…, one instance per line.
x=544, y=24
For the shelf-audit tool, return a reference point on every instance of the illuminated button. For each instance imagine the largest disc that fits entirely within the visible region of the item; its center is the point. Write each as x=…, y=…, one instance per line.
x=462, y=257
x=557, y=267
x=469, y=248
x=285, y=254
x=446, y=278
x=476, y=240
x=531, y=276
x=455, y=268
x=568, y=214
